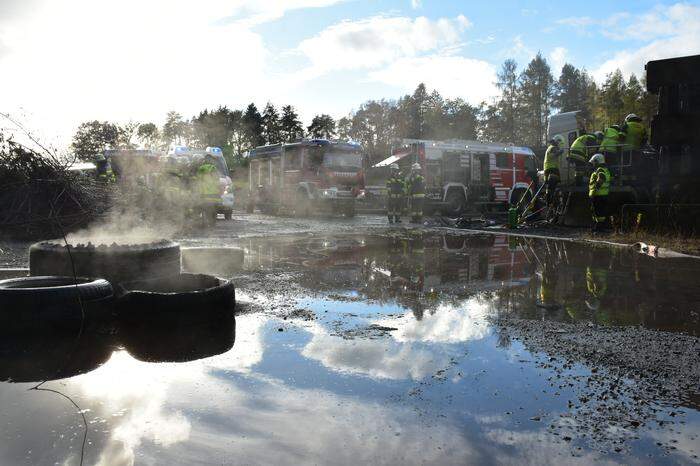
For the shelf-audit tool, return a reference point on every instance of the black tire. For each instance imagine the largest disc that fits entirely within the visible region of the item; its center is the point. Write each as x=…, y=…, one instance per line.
x=182, y=294
x=456, y=202
x=114, y=263
x=53, y=305
x=53, y=289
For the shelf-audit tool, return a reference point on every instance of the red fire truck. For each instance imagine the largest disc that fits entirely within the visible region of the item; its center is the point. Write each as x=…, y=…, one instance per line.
x=467, y=175
x=307, y=176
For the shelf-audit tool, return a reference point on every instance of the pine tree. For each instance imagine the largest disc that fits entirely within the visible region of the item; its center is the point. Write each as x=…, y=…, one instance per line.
x=416, y=109
x=322, y=126
x=252, y=123
x=612, y=99
x=271, y=125
x=536, y=89
x=290, y=125
x=507, y=107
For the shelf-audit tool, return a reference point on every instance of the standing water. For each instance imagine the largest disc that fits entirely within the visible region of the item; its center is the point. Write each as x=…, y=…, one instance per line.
x=399, y=349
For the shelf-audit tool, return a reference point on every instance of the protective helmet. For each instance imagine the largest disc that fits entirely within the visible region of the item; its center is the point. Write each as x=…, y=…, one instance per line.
x=558, y=139
x=394, y=166
x=599, y=135
x=632, y=117
x=100, y=158
x=597, y=159
x=415, y=166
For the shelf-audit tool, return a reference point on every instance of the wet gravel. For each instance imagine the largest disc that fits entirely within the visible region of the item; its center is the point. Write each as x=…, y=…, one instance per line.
x=625, y=377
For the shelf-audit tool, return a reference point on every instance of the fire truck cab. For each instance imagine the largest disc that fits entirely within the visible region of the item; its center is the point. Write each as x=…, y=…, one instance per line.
x=466, y=175
x=305, y=177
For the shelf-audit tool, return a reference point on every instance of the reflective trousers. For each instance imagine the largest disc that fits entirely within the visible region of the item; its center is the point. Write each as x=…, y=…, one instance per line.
x=599, y=211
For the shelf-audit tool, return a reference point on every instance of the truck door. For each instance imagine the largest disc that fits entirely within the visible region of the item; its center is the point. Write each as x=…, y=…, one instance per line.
x=481, y=177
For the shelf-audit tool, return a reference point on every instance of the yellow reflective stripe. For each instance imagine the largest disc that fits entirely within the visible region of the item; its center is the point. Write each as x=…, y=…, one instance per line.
x=418, y=195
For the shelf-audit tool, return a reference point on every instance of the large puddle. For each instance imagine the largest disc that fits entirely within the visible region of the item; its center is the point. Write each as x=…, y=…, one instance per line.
x=361, y=349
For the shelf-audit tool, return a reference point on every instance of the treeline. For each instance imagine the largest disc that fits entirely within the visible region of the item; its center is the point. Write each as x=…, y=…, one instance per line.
x=518, y=115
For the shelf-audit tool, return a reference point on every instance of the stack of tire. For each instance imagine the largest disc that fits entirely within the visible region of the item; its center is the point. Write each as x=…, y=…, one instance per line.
x=138, y=292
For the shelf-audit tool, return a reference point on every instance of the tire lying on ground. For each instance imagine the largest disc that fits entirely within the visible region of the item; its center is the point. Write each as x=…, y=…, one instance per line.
x=115, y=263
x=52, y=304
x=185, y=294
x=175, y=319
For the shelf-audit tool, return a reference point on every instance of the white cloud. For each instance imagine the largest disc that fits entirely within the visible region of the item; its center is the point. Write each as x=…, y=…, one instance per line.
x=376, y=41
x=453, y=76
x=447, y=324
x=577, y=21
x=415, y=4
x=519, y=50
x=558, y=58
x=135, y=60
x=669, y=32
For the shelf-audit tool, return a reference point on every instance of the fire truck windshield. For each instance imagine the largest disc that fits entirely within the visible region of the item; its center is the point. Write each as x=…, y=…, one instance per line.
x=343, y=160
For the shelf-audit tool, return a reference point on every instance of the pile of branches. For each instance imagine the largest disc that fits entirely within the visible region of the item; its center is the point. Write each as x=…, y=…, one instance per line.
x=40, y=197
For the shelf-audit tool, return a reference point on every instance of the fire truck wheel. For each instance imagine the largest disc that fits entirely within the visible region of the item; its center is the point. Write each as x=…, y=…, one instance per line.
x=455, y=202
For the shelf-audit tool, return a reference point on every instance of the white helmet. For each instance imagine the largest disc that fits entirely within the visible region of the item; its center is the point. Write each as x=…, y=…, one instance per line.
x=415, y=166
x=558, y=139
x=632, y=117
x=597, y=159
x=394, y=166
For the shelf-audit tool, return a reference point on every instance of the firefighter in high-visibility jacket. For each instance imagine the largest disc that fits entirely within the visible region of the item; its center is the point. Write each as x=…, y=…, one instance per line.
x=598, y=190
x=415, y=188
x=635, y=133
x=207, y=182
x=613, y=140
x=395, y=187
x=581, y=150
x=552, y=175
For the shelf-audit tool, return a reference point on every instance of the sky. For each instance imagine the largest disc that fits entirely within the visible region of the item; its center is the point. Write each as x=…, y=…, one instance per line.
x=67, y=61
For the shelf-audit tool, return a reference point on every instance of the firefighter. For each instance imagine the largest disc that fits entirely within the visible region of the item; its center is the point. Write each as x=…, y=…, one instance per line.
x=581, y=151
x=104, y=170
x=551, y=167
x=395, y=187
x=415, y=188
x=613, y=139
x=207, y=181
x=598, y=190
x=635, y=133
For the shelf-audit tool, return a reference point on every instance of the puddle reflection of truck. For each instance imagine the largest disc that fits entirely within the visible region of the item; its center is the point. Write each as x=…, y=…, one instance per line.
x=466, y=175
x=306, y=177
